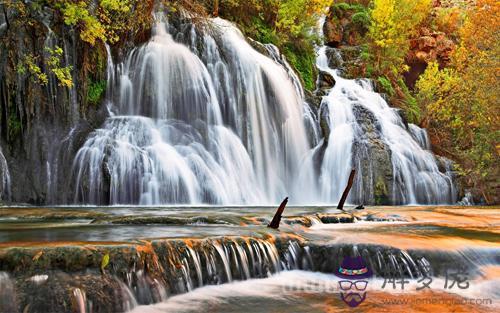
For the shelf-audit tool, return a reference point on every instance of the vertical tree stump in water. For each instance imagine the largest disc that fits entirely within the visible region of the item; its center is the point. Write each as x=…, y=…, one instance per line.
x=340, y=206
x=275, y=223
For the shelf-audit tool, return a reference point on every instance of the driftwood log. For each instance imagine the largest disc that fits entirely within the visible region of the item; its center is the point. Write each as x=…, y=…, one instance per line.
x=275, y=223
x=340, y=206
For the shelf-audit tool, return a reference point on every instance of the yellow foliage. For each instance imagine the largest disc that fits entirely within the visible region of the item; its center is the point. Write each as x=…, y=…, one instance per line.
x=104, y=262
x=393, y=23
x=463, y=99
x=298, y=16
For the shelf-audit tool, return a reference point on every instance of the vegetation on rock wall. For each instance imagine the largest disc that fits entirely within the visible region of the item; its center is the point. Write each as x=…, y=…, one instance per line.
x=34, y=41
x=288, y=24
x=393, y=23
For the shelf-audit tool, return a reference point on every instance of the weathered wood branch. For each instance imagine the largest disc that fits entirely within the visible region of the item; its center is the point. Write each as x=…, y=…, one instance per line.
x=275, y=223
x=340, y=206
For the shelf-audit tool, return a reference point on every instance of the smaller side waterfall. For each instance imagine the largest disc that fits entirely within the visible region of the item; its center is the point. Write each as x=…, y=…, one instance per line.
x=4, y=178
x=8, y=297
x=394, y=164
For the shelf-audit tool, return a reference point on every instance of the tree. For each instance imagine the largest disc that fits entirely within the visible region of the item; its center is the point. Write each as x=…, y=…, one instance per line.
x=462, y=101
x=393, y=22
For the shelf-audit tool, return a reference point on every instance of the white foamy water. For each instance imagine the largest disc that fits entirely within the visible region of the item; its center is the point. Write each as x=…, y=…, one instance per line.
x=201, y=128
x=4, y=178
x=300, y=290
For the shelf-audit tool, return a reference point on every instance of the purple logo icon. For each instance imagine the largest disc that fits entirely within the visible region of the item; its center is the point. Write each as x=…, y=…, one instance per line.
x=354, y=274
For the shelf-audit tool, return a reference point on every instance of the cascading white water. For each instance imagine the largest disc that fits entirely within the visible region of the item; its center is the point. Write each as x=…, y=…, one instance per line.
x=221, y=125
x=4, y=178
x=199, y=116
x=353, y=108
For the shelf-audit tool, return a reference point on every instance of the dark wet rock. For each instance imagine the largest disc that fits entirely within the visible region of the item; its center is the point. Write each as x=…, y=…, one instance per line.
x=336, y=218
x=313, y=100
x=324, y=122
x=324, y=83
x=367, y=120
x=334, y=57
x=347, y=60
x=325, y=80
x=384, y=218
x=260, y=47
x=372, y=158
x=298, y=220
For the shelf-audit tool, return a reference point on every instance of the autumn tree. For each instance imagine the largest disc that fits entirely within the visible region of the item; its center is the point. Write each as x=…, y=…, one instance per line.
x=392, y=24
x=462, y=101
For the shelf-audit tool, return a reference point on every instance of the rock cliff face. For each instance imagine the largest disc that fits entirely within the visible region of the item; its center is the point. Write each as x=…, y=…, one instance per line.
x=37, y=115
x=429, y=46
x=44, y=122
x=345, y=25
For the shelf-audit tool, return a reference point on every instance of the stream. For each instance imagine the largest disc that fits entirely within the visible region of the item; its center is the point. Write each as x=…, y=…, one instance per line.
x=225, y=259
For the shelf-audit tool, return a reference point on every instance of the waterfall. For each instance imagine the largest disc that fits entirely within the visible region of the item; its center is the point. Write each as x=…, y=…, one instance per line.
x=4, y=178
x=197, y=115
x=365, y=133
x=8, y=298
x=220, y=124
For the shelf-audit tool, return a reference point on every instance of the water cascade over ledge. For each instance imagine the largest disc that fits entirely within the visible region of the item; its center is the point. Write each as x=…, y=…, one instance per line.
x=200, y=116
x=222, y=125
x=392, y=159
x=4, y=178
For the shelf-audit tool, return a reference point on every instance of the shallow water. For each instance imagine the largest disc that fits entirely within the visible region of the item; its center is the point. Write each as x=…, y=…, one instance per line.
x=301, y=291
x=437, y=234
x=413, y=225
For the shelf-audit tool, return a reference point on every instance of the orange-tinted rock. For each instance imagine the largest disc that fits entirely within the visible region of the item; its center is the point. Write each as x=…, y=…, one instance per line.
x=430, y=46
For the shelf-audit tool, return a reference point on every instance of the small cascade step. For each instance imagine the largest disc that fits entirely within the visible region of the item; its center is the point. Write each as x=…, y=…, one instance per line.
x=150, y=272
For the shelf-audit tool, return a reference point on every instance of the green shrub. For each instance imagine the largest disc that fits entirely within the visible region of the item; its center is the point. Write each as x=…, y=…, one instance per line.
x=385, y=85
x=361, y=19
x=303, y=61
x=338, y=8
x=410, y=104
x=95, y=91
x=263, y=33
